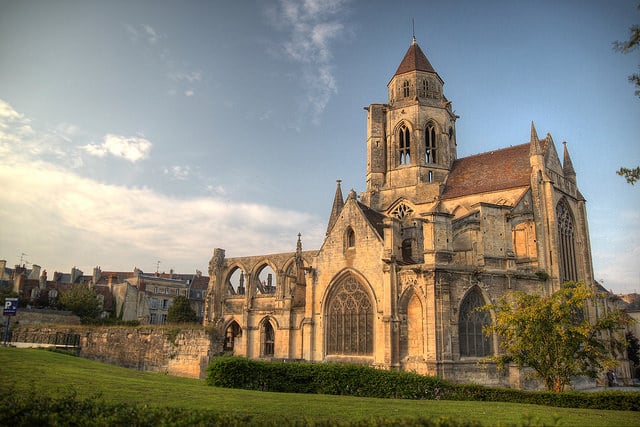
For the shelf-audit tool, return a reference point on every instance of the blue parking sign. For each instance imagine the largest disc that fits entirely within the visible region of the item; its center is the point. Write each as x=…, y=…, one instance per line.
x=10, y=307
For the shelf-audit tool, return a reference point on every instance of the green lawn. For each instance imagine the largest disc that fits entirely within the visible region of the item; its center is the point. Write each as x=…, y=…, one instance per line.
x=53, y=374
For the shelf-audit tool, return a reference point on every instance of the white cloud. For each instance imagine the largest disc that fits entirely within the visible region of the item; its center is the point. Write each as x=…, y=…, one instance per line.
x=313, y=25
x=151, y=34
x=190, y=77
x=189, y=92
x=63, y=219
x=58, y=207
x=180, y=173
x=131, y=148
x=144, y=31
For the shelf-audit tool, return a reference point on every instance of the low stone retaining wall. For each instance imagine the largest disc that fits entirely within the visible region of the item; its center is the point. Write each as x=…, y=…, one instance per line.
x=36, y=316
x=172, y=350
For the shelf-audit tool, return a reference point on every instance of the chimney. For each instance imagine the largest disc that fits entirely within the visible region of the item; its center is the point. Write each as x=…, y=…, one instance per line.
x=75, y=274
x=43, y=280
x=96, y=274
x=35, y=272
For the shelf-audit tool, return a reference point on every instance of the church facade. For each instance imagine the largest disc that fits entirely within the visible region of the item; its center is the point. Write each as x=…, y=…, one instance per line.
x=405, y=264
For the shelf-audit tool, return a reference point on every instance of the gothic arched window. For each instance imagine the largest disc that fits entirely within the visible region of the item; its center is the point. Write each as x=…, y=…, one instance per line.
x=567, y=246
x=405, y=88
x=404, y=137
x=430, y=144
x=233, y=331
x=267, y=339
x=349, y=319
x=473, y=342
x=349, y=238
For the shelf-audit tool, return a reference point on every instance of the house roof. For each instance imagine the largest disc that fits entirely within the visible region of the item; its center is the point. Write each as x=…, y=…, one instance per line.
x=492, y=171
x=414, y=60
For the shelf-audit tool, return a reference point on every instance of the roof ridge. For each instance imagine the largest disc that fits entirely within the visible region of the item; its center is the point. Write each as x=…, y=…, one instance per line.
x=493, y=151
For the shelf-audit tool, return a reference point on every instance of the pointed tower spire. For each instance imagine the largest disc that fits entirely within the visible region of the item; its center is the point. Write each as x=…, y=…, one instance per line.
x=414, y=60
x=535, y=148
x=338, y=204
x=299, y=247
x=567, y=164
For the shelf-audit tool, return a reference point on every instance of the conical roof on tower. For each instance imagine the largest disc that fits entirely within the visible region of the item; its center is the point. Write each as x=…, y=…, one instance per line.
x=338, y=204
x=414, y=60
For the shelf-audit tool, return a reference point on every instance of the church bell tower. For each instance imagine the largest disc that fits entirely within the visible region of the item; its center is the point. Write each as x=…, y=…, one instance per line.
x=411, y=140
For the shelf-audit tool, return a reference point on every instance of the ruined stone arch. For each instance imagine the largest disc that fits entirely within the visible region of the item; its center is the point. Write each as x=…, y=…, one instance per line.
x=288, y=281
x=268, y=327
x=349, y=307
x=264, y=278
x=472, y=340
x=235, y=281
x=232, y=332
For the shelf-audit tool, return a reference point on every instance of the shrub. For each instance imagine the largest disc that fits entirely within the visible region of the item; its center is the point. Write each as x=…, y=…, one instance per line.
x=365, y=381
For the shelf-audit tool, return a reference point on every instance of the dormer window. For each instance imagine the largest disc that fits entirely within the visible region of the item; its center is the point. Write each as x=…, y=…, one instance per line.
x=404, y=137
x=405, y=88
x=430, y=144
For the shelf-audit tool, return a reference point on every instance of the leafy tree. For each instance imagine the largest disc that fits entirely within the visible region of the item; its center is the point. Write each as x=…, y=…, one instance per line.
x=552, y=335
x=181, y=311
x=633, y=352
x=628, y=46
x=631, y=175
x=81, y=300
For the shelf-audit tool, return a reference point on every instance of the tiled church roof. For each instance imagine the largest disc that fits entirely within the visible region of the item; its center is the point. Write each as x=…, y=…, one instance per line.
x=414, y=60
x=492, y=171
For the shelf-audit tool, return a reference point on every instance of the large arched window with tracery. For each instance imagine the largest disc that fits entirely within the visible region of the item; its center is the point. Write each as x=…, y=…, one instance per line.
x=566, y=237
x=349, y=319
x=404, y=140
x=473, y=342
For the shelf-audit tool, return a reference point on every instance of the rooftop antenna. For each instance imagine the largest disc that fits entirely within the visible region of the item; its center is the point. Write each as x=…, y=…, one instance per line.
x=157, y=266
x=23, y=261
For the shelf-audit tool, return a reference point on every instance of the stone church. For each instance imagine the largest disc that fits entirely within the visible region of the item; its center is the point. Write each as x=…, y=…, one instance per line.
x=405, y=264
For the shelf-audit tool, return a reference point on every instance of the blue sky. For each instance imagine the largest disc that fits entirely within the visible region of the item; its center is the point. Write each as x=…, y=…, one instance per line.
x=133, y=132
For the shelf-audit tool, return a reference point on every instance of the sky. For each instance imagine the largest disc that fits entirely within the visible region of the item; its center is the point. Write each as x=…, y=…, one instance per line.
x=147, y=133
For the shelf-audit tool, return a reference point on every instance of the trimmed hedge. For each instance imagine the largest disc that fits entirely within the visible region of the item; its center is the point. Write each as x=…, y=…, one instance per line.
x=365, y=381
x=324, y=378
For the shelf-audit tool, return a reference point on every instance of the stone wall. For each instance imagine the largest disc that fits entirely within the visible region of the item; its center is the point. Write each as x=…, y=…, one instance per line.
x=27, y=316
x=172, y=350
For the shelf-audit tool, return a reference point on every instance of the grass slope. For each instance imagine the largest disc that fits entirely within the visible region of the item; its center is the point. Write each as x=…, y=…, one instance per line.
x=55, y=374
